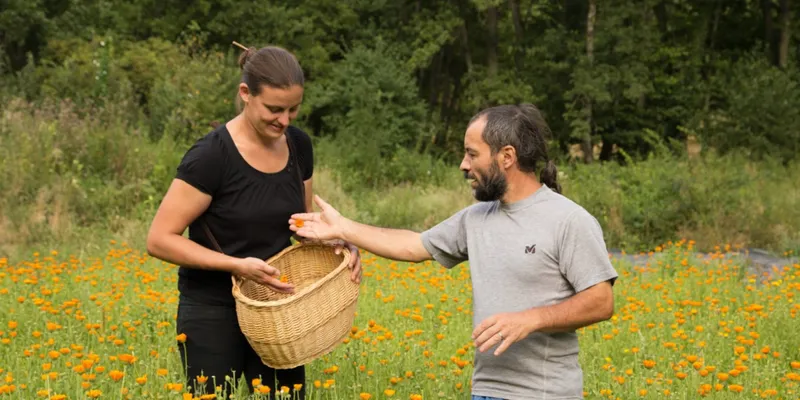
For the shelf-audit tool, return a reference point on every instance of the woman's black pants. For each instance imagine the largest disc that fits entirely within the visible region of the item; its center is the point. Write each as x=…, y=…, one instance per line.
x=216, y=348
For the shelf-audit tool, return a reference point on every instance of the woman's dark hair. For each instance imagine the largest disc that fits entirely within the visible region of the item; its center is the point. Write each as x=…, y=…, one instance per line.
x=523, y=128
x=271, y=66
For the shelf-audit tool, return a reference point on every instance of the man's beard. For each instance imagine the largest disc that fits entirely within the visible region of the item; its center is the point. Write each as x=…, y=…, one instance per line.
x=492, y=186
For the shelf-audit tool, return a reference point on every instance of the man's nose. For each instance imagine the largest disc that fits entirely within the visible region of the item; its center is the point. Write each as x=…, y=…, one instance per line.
x=464, y=165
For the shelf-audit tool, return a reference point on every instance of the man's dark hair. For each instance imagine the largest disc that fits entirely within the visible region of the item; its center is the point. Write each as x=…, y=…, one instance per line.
x=523, y=128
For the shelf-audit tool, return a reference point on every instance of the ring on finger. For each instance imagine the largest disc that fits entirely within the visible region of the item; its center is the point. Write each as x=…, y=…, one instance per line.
x=501, y=335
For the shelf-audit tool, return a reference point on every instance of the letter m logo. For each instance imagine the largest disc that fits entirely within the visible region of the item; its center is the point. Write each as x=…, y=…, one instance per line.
x=530, y=249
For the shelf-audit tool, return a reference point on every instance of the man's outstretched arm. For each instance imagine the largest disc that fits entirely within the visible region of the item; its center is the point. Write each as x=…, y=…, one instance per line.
x=395, y=244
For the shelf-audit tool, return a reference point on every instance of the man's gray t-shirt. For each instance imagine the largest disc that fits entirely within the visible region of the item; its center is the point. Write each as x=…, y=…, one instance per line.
x=535, y=252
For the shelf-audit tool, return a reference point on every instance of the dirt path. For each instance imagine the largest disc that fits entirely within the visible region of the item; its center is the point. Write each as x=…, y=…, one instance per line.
x=757, y=261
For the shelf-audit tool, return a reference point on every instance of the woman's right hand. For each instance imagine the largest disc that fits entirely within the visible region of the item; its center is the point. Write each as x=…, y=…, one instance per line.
x=260, y=272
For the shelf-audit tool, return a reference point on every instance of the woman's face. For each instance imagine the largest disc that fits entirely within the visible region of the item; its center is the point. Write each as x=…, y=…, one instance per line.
x=271, y=112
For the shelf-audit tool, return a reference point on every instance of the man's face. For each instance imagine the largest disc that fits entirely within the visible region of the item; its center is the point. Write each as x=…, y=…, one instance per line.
x=488, y=181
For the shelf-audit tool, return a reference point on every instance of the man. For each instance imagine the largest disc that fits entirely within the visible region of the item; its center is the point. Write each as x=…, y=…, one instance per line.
x=538, y=261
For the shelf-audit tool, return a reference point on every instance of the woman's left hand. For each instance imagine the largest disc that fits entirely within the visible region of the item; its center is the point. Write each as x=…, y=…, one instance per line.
x=355, y=255
x=355, y=260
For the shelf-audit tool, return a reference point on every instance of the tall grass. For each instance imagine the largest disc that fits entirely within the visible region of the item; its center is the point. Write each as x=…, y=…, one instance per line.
x=711, y=200
x=76, y=175
x=62, y=169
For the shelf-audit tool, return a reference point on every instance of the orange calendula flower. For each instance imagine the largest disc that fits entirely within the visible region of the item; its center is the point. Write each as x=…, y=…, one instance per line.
x=299, y=223
x=116, y=375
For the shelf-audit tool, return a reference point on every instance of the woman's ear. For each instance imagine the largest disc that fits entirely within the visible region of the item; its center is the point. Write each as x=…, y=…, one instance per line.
x=244, y=93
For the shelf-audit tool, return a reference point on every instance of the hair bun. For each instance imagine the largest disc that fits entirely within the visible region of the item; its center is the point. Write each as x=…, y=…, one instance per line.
x=246, y=56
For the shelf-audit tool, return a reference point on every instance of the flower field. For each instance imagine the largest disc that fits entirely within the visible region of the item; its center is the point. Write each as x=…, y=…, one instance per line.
x=103, y=326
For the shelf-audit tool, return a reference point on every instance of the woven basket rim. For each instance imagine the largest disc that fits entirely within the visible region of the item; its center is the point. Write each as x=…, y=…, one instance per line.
x=237, y=294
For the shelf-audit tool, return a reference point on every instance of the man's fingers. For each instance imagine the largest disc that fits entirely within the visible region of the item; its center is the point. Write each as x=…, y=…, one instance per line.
x=305, y=217
x=489, y=340
x=488, y=337
x=307, y=233
x=507, y=341
x=485, y=324
x=321, y=203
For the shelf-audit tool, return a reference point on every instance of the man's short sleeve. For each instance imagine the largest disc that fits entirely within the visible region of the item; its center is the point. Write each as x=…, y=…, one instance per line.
x=202, y=165
x=583, y=256
x=447, y=241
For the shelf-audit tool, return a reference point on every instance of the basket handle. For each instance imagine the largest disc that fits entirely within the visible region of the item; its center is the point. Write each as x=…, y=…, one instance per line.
x=236, y=281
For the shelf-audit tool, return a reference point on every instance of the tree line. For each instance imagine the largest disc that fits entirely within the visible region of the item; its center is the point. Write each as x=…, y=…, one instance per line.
x=614, y=78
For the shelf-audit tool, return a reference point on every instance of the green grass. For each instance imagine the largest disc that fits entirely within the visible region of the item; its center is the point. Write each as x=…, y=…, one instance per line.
x=680, y=322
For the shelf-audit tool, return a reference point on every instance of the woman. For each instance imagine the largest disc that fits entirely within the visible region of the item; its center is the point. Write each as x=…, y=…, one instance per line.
x=235, y=189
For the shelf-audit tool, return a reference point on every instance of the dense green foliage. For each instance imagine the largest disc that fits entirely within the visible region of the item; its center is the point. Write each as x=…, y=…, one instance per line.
x=410, y=73
x=65, y=176
x=101, y=98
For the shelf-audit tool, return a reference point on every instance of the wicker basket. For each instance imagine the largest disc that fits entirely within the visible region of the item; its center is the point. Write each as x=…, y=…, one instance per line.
x=288, y=330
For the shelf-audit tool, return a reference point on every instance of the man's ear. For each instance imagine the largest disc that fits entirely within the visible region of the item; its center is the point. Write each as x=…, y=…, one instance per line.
x=508, y=156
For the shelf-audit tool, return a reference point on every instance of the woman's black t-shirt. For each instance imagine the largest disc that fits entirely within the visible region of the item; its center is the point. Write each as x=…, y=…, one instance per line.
x=249, y=211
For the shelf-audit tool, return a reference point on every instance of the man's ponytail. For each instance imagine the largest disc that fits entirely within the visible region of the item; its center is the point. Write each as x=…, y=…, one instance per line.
x=549, y=176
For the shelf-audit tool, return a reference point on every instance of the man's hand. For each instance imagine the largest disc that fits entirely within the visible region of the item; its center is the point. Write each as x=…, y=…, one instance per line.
x=585, y=308
x=259, y=271
x=325, y=225
x=503, y=329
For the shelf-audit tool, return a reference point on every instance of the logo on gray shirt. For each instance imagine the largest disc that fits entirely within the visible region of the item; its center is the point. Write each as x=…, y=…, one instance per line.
x=530, y=249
